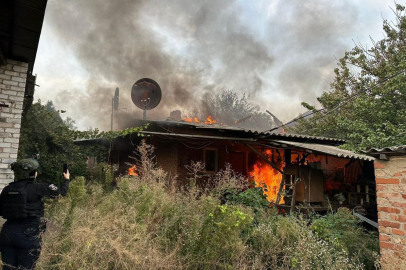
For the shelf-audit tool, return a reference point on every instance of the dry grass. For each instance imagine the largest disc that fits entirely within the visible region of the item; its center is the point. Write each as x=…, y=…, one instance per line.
x=144, y=224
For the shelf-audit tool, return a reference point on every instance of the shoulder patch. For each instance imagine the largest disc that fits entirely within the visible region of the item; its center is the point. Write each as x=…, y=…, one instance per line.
x=53, y=187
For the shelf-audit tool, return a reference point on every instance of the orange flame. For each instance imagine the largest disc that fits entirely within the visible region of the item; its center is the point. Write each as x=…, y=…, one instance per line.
x=210, y=121
x=196, y=120
x=133, y=171
x=268, y=178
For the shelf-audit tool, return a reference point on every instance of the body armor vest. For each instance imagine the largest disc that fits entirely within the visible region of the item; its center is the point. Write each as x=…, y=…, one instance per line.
x=15, y=204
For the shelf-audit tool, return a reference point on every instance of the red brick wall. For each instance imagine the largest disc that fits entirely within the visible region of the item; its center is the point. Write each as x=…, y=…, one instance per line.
x=391, y=196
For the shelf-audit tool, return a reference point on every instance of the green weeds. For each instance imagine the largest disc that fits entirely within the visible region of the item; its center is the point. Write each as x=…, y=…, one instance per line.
x=144, y=224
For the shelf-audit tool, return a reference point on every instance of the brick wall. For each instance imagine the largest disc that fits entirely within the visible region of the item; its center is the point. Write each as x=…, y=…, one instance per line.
x=13, y=76
x=167, y=156
x=391, y=195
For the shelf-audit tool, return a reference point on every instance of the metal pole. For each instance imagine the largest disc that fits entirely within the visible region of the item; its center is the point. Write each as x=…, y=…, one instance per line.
x=112, y=111
x=145, y=102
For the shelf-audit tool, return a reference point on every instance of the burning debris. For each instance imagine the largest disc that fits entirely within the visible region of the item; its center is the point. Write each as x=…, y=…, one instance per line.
x=208, y=121
x=195, y=120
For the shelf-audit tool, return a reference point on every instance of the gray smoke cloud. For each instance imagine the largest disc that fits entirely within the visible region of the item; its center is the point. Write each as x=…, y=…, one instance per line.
x=318, y=33
x=197, y=48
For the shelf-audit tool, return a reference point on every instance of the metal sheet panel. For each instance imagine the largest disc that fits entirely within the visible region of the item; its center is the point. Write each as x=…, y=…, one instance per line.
x=326, y=149
x=265, y=134
x=394, y=150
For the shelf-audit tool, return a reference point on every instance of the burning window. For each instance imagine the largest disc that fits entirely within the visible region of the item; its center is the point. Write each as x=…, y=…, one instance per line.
x=211, y=159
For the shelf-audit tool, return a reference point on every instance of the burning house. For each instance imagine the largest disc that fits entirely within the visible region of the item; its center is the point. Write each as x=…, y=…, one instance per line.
x=292, y=169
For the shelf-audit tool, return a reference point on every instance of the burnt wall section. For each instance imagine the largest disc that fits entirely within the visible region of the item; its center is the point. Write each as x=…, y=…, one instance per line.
x=391, y=194
x=13, y=77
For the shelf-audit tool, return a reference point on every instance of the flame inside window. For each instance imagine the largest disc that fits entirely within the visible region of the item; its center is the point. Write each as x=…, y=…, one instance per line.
x=133, y=171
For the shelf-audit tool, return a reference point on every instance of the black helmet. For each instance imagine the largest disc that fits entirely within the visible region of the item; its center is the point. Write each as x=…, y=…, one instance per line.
x=25, y=168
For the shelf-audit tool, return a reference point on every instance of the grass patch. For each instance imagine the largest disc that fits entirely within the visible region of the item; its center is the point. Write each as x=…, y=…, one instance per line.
x=144, y=224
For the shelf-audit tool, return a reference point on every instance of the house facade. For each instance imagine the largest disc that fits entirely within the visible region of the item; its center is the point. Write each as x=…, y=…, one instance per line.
x=327, y=177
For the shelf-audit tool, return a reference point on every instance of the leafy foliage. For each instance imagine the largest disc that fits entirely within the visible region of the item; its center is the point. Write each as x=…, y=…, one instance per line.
x=341, y=229
x=43, y=131
x=366, y=107
x=253, y=197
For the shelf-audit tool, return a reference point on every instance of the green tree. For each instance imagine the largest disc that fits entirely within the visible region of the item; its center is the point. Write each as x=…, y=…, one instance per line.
x=43, y=131
x=367, y=102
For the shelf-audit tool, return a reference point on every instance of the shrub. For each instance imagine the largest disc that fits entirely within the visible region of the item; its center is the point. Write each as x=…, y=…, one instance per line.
x=344, y=231
x=144, y=224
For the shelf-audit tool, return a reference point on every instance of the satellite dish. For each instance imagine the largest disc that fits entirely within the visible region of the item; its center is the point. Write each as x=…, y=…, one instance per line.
x=146, y=94
x=116, y=98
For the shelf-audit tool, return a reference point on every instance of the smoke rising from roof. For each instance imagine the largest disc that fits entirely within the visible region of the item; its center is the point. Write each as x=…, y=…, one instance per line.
x=197, y=48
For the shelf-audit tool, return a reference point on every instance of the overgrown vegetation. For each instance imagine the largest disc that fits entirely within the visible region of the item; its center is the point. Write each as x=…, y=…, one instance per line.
x=43, y=131
x=147, y=224
x=368, y=95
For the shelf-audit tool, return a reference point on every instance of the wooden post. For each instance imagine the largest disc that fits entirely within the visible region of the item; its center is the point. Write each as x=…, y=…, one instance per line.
x=288, y=156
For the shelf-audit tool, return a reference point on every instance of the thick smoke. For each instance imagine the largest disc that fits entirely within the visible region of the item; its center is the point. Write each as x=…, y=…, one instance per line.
x=197, y=48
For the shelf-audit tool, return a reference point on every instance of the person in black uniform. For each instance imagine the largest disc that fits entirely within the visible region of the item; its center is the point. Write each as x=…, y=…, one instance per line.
x=21, y=205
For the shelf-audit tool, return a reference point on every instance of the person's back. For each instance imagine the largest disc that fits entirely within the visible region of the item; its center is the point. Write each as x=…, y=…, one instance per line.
x=21, y=205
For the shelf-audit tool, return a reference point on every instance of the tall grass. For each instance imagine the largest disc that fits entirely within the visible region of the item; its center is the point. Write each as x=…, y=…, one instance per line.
x=146, y=224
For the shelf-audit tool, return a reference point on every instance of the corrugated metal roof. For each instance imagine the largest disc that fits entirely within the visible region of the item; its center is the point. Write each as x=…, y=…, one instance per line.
x=394, y=150
x=240, y=129
x=326, y=149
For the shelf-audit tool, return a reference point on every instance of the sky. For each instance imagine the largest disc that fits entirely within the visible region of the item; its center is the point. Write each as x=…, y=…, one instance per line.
x=279, y=52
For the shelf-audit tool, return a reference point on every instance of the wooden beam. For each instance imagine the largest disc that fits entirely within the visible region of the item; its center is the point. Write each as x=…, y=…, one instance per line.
x=288, y=157
x=273, y=165
x=304, y=158
x=275, y=119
